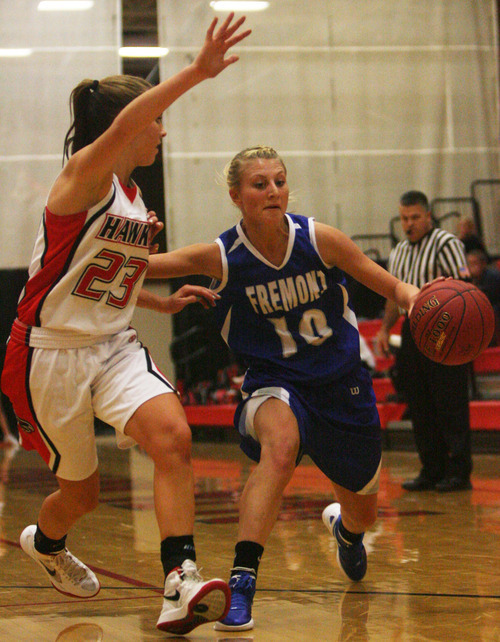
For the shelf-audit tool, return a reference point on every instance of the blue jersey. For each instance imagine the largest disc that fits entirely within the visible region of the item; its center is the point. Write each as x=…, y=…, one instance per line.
x=294, y=321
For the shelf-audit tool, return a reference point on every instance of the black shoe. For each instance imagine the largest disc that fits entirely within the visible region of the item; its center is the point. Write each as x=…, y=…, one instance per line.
x=449, y=484
x=419, y=483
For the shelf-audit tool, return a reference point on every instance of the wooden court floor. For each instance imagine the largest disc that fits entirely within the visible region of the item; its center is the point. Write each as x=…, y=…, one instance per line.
x=433, y=574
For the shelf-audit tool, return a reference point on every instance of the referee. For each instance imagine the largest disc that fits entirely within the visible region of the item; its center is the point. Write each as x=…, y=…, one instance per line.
x=437, y=395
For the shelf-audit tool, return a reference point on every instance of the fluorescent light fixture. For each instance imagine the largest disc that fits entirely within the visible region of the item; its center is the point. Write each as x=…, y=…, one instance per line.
x=65, y=5
x=15, y=53
x=142, y=52
x=244, y=5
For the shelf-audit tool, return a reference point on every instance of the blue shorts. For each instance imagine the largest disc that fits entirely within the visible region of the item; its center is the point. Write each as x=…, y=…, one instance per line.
x=338, y=423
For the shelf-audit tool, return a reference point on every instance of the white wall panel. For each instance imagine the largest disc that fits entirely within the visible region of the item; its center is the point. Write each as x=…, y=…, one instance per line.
x=363, y=99
x=34, y=110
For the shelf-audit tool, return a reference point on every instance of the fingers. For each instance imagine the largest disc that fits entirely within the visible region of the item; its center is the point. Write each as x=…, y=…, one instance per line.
x=155, y=226
x=231, y=60
x=382, y=350
x=153, y=221
x=224, y=26
x=210, y=60
x=198, y=293
x=207, y=298
x=222, y=30
x=210, y=30
x=232, y=41
x=439, y=278
x=226, y=32
x=381, y=346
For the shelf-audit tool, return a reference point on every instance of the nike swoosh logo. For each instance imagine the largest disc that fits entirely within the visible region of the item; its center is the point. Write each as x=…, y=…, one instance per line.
x=53, y=573
x=173, y=598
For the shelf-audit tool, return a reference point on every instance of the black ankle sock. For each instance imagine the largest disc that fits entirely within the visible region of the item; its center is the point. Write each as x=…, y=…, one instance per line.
x=247, y=556
x=174, y=550
x=351, y=538
x=47, y=546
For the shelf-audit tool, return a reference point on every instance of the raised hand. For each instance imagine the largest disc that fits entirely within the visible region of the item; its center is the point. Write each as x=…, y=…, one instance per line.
x=211, y=58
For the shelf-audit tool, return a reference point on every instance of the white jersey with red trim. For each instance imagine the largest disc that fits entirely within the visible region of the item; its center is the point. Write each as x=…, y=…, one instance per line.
x=87, y=268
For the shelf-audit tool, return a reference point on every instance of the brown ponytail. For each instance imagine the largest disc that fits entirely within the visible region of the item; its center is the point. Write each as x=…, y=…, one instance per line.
x=95, y=104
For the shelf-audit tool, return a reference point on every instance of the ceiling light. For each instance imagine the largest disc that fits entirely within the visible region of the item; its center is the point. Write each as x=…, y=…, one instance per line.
x=65, y=5
x=15, y=53
x=142, y=52
x=244, y=5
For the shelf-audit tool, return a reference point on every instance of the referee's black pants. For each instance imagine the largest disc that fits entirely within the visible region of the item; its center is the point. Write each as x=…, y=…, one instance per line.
x=438, y=401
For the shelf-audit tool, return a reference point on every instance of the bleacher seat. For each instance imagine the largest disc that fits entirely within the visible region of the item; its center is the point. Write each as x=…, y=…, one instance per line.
x=484, y=415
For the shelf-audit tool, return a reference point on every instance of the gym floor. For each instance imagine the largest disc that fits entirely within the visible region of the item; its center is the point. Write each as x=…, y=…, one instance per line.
x=433, y=571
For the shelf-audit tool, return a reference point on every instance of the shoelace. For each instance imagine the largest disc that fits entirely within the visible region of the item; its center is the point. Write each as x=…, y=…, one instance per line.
x=187, y=573
x=71, y=566
x=190, y=572
x=242, y=588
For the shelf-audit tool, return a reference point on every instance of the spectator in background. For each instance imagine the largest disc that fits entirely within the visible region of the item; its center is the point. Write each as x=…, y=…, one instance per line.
x=487, y=279
x=467, y=233
x=437, y=395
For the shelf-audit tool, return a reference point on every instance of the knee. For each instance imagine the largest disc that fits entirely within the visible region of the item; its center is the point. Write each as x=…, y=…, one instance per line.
x=283, y=458
x=170, y=440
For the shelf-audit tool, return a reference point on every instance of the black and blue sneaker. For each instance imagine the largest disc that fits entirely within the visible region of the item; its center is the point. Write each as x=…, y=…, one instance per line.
x=239, y=617
x=351, y=558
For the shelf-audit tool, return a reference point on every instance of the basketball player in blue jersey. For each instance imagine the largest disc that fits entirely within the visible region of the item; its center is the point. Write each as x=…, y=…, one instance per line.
x=72, y=355
x=284, y=309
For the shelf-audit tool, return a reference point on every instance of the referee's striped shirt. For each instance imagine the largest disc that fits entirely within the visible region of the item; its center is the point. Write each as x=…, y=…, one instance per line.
x=438, y=253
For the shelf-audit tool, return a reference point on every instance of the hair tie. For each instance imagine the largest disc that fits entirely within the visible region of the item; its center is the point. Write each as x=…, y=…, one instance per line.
x=94, y=85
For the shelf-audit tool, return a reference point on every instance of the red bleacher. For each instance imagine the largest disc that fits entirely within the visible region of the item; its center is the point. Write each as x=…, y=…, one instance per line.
x=488, y=361
x=484, y=415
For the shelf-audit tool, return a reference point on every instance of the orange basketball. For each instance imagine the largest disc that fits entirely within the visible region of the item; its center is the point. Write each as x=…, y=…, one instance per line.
x=452, y=322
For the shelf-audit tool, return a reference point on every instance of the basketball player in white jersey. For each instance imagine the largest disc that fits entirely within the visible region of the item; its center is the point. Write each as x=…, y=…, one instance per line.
x=72, y=355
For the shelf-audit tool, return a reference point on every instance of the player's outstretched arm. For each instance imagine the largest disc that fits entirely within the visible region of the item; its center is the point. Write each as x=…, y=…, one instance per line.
x=336, y=248
x=199, y=258
x=150, y=105
x=210, y=62
x=90, y=169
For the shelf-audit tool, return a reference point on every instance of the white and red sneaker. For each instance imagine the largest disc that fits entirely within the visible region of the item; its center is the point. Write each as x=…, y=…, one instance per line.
x=188, y=601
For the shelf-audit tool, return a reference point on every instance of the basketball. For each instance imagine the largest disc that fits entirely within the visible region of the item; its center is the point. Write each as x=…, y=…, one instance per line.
x=452, y=322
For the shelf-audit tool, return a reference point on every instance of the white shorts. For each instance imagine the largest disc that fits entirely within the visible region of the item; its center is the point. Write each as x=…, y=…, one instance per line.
x=68, y=388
